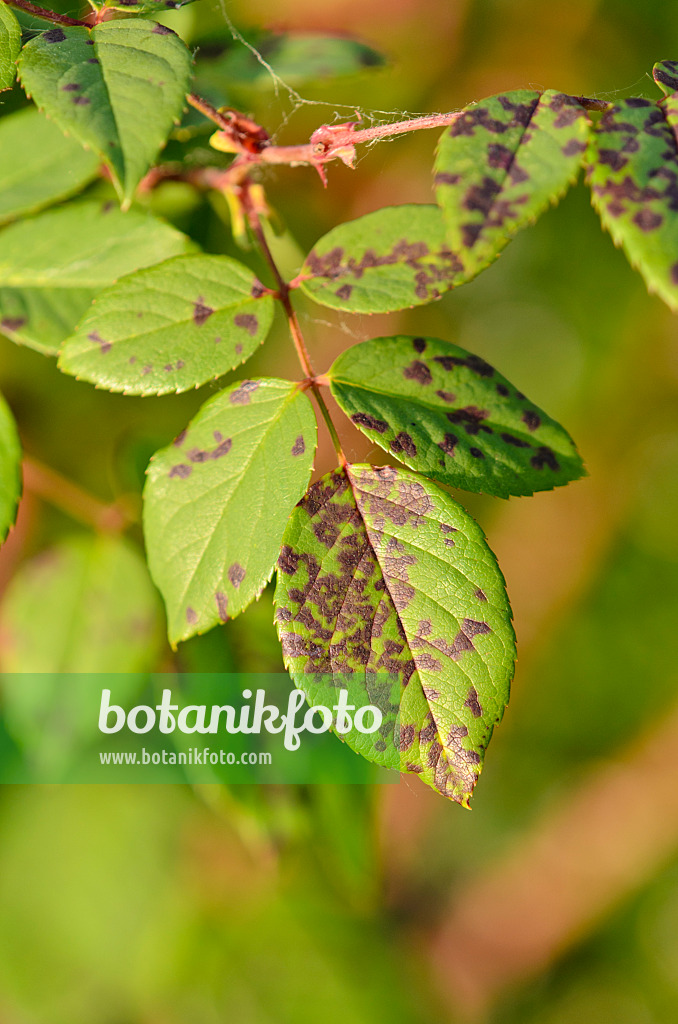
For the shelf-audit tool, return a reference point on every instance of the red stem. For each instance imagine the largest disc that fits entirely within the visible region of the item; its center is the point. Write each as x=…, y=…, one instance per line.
x=42, y=12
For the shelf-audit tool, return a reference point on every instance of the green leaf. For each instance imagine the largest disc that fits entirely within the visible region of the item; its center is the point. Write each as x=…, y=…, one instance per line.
x=10, y=469
x=217, y=501
x=118, y=89
x=386, y=587
x=52, y=265
x=10, y=46
x=501, y=163
x=51, y=167
x=450, y=415
x=297, y=58
x=632, y=172
x=391, y=259
x=172, y=327
x=84, y=605
x=665, y=74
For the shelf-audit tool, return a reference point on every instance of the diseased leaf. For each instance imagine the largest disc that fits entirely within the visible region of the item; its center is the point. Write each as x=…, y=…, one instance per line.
x=10, y=469
x=633, y=175
x=391, y=259
x=118, y=89
x=171, y=327
x=387, y=588
x=449, y=414
x=217, y=501
x=500, y=164
x=296, y=57
x=51, y=167
x=52, y=265
x=665, y=74
x=10, y=46
x=84, y=605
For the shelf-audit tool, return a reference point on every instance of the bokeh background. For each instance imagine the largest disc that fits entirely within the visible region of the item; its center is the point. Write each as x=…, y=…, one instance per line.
x=555, y=901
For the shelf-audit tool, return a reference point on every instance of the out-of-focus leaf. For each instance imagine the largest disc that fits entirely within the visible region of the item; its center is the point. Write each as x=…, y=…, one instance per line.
x=52, y=265
x=387, y=588
x=51, y=167
x=118, y=89
x=10, y=46
x=147, y=6
x=171, y=327
x=450, y=415
x=633, y=175
x=10, y=469
x=85, y=605
x=217, y=501
x=391, y=259
x=500, y=164
x=296, y=58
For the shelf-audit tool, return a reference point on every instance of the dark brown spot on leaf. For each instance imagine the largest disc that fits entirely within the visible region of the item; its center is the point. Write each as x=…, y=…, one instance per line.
x=191, y=616
x=104, y=345
x=531, y=419
x=236, y=574
x=419, y=345
x=201, y=312
x=222, y=605
x=404, y=443
x=473, y=703
x=418, y=371
x=54, y=35
x=299, y=446
x=181, y=471
x=242, y=395
x=363, y=419
x=248, y=322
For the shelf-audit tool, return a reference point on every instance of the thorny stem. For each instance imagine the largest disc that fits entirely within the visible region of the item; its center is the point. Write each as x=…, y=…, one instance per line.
x=42, y=12
x=292, y=321
x=49, y=485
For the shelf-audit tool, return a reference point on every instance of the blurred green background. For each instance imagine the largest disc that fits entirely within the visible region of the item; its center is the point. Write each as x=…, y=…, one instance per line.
x=556, y=900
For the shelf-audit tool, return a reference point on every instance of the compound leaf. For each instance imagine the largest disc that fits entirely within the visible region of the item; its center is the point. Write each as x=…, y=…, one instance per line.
x=52, y=265
x=85, y=605
x=633, y=175
x=391, y=259
x=387, y=588
x=171, y=327
x=51, y=167
x=450, y=415
x=10, y=469
x=500, y=164
x=217, y=501
x=118, y=89
x=10, y=46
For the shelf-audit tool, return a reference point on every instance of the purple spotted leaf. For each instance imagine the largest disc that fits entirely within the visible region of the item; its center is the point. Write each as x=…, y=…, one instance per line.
x=387, y=588
x=452, y=416
x=392, y=259
x=665, y=74
x=53, y=265
x=501, y=164
x=217, y=501
x=633, y=175
x=118, y=89
x=171, y=327
x=10, y=469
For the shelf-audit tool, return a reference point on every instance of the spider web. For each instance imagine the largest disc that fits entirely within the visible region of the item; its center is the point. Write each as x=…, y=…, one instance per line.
x=337, y=111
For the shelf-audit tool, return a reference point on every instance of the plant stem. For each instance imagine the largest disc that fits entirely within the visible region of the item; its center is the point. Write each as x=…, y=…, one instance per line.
x=49, y=485
x=292, y=321
x=42, y=12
